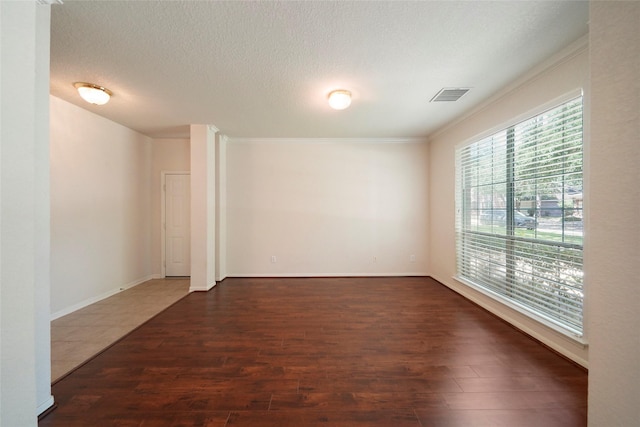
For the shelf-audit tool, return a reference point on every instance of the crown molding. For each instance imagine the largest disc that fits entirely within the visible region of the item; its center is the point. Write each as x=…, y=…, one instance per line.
x=233, y=140
x=554, y=61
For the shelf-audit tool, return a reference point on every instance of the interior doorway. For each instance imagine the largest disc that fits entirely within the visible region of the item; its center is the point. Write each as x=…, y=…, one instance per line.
x=176, y=224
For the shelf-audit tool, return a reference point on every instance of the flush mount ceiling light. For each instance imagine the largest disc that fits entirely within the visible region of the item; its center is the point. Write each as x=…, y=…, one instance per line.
x=93, y=94
x=340, y=99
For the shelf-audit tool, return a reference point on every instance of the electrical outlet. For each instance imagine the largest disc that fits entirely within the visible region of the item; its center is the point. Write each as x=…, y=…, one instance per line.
x=375, y=259
x=412, y=258
x=273, y=259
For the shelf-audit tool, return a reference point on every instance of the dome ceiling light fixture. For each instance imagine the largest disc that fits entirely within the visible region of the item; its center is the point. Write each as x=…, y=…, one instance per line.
x=339, y=99
x=92, y=93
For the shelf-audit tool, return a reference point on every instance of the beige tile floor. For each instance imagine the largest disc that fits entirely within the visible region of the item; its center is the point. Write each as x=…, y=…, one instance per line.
x=78, y=336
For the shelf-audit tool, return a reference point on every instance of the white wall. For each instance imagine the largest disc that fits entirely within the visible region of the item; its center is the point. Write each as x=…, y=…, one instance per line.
x=562, y=74
x=25, y=377
x=613, y=252
x=326, y=207
x=167, y=155
x=100, y=207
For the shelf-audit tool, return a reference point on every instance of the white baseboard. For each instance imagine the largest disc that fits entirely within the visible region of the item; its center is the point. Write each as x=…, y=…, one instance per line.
x=45, y=405
x=93, y=300
x=202, y=289
x=303, y=275
x=541, y=332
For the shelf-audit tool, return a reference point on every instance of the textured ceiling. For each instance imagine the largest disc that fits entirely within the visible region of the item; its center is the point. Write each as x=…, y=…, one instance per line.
x=263, y=69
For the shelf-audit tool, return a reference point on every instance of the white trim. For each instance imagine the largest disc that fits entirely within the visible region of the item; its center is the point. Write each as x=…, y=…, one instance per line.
x=513, y=320
x=93, y=300
x=529, y=114
x=45, y=405
x=320, y=275
x=586, y=206
x=540, y=318
x=554, y=61
x=579, y=339
x=328, y=140
x=163, y=213
x=207, y=288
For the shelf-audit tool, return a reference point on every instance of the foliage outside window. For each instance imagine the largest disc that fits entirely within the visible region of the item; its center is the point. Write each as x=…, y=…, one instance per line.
x=519, y=211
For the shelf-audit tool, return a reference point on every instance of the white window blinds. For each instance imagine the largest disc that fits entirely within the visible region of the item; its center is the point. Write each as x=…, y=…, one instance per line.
x=519, y=222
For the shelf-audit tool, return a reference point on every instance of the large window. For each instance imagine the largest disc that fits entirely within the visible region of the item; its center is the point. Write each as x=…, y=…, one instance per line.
x=519, y=222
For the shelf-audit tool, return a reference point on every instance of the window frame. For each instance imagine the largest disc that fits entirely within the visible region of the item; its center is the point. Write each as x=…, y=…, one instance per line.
x=577, y=336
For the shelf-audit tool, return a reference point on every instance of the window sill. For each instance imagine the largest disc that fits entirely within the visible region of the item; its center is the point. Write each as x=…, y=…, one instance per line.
x=566, y=333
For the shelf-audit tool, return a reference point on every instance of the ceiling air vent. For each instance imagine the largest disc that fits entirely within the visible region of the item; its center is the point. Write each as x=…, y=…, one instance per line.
x=450, y=94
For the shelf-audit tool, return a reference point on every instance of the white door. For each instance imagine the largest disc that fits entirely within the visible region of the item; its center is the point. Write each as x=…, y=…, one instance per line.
x=177, y=225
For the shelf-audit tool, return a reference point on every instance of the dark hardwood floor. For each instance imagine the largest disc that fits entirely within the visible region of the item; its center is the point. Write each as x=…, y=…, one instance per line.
x=345, y=352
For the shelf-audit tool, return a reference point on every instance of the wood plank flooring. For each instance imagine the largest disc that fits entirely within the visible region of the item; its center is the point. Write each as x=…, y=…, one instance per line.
x=324, y=352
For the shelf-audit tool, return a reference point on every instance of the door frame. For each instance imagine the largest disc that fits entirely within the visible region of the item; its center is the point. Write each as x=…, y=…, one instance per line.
x=163, y=218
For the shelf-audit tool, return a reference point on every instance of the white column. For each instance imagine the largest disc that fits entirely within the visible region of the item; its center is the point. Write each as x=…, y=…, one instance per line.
x=612, y=247
x=203, y=197
x=42, y=216
x=221, y=208
x=24, y=213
